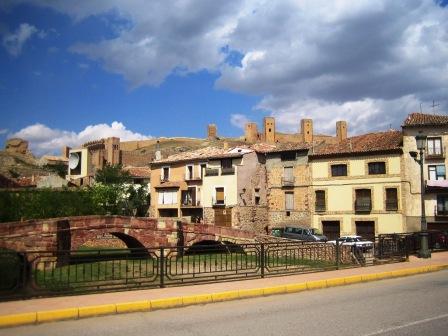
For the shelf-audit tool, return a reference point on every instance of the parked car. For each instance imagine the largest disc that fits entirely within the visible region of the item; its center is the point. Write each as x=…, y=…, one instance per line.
x=357, y=241
x=300, y=233
x=277, y=232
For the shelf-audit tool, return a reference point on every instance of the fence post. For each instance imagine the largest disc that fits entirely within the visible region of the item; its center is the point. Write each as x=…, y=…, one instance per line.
x=262, y=261
x=162, y=268
x=337, y=253
x=406, y=247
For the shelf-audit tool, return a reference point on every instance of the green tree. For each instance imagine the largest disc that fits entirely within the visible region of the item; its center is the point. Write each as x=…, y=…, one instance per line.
x=112, y=174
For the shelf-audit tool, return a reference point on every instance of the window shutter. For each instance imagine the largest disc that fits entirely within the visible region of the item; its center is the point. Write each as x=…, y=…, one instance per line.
x=289, y=201
x=161, y=197
x=220, y=194
x=288, y=174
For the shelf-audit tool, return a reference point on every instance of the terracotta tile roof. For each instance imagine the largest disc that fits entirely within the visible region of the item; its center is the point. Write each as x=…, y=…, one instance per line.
x=205, y=153
x=144, y=172
x=284, y=147
x=366, y=143
x=422, y=119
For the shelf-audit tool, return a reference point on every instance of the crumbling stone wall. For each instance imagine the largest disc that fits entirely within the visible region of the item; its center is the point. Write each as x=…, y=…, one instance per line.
x=250, y=218
x=17, y=146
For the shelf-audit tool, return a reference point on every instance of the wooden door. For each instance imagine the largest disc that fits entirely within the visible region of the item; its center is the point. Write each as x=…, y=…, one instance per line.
x=366, y=229
x=331, y=229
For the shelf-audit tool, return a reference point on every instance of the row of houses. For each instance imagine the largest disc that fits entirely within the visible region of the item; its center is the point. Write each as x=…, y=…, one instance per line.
x=367, y=184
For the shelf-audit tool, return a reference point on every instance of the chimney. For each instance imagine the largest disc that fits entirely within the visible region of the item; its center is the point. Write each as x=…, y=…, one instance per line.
x=306, y=129
x=226, y=145
x=212, y=132
x=341, y=130
x=65, y=151
x=158, y=154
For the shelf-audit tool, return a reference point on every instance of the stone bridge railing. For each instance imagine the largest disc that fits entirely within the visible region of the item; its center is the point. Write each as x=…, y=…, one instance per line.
x=70, y=233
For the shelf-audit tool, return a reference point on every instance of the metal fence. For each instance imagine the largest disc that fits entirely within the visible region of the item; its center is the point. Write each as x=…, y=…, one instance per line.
x=437, y=240
x=46, y=273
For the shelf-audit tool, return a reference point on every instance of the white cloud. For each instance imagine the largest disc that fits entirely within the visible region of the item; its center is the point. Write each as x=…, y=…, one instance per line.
x=46, y=140
x=14, y=42
x=83, y=65
x=3, y=131
x=239, y=120
x=317, y=58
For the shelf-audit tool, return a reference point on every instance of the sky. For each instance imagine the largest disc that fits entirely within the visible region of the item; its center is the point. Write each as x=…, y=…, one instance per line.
x=74, y=71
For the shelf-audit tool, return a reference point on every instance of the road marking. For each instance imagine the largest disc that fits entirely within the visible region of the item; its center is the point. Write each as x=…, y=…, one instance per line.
x=410, y=324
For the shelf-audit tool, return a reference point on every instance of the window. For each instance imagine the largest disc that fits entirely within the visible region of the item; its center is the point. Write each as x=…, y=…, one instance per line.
x=339, y=170
x=202, y=167
x=442, y=205
x=288, y=177
x=257, y=196
x=288, y=156
x=436, y=172
x=320, y=200
x=391, y=199
x=219, y=192
x=165, y=173
x=167, y=197
x=289, y=201
x=434, y=146
x=189, y=175
x=226, y=167
x=376, y=168
x=363, y=200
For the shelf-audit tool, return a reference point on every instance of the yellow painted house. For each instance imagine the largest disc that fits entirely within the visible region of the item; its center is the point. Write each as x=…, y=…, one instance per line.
x=356, y=186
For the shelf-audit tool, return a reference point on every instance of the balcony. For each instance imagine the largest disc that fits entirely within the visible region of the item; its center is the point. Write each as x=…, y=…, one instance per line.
x=434, y=154
x=228, y=171
x=363, y=205
x=287, y=181
x=391, y=205
x=192, y=178
x=320, y=207
x=211, y=172
x=440, y=210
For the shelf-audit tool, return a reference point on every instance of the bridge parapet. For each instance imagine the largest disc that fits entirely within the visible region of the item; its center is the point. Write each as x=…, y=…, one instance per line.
x=69, y=233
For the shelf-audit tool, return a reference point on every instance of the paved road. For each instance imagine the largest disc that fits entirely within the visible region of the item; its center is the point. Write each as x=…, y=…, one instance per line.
x=415, y=305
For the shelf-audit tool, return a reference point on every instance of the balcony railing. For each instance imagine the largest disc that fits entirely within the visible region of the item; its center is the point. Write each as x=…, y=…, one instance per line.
x=435, y=154
x=287, y=181
x=320, y=207
x=164, y=179
x=211, y=171
x=363, y=205
x=440, y=210
x=228, y=171
x=391, y=205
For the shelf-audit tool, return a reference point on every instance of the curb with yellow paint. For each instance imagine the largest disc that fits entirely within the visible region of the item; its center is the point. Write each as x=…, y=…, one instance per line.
x=148, y=305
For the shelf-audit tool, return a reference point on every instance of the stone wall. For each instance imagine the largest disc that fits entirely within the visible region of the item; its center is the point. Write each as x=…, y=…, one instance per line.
x=73, y=232
x=250, y=218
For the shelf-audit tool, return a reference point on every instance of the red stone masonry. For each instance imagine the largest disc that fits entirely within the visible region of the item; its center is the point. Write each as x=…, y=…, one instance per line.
x=47, y=234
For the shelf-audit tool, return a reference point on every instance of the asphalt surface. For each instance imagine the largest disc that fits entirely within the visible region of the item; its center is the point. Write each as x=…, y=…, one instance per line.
x=416, y=305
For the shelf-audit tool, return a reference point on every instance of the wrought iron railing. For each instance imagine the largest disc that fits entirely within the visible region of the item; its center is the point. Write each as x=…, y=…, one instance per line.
x=42, y=273
x=363, y=205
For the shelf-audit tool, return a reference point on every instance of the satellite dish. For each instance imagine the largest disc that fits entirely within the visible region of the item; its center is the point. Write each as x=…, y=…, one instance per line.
x=73, y=160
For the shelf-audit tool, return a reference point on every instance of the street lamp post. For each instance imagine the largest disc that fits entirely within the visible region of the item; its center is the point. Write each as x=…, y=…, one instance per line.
x=424, y=250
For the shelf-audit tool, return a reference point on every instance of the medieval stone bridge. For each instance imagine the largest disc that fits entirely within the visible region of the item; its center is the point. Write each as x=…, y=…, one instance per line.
x=69, y=233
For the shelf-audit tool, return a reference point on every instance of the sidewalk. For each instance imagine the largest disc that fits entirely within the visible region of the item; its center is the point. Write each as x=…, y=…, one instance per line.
x=56, y=303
